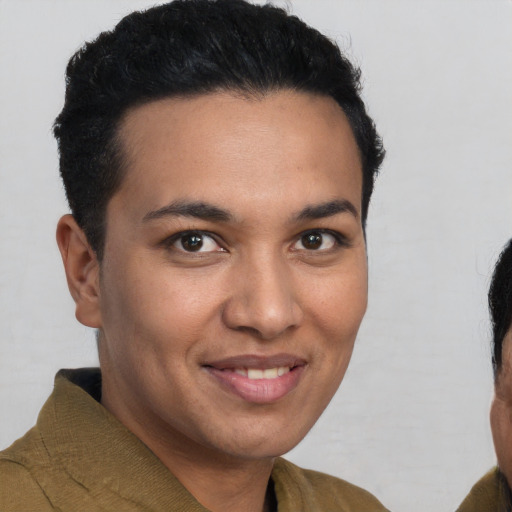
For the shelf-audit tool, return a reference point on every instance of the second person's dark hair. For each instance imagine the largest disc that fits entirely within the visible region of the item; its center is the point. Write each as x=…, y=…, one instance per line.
x=500, y=303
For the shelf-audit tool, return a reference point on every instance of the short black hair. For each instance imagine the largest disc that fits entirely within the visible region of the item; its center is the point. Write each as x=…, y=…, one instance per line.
x=500, y=304
x=181, y=49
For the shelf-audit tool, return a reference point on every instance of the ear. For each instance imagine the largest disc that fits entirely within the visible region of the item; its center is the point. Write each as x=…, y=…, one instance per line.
x=82, y=271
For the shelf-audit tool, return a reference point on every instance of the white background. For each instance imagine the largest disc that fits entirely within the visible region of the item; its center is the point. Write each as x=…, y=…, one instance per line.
x=410, y=422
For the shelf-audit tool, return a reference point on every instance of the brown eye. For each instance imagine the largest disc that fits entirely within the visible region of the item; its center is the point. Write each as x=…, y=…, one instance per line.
x=317, y=241
x=192, y=242
x=195, y=241
x=312, y=240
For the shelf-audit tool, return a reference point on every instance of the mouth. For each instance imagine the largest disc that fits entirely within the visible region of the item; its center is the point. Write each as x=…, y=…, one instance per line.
x=259, y=380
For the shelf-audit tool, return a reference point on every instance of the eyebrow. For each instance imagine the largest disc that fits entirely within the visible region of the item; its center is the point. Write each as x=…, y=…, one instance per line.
x=206, y=211
x=195, y=209
x=320, y=211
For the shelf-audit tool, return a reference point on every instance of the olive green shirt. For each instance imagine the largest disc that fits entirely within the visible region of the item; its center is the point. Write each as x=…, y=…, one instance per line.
x=487, y=495
x=79, y=457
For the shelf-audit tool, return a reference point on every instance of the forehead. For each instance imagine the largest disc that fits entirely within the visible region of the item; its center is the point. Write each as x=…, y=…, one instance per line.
x=224, y=143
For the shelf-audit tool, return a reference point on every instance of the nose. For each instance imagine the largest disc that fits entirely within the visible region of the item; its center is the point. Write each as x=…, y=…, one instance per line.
x=263, y=300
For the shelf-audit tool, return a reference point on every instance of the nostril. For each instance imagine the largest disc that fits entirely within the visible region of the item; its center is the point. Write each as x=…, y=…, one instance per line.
x=249, y=330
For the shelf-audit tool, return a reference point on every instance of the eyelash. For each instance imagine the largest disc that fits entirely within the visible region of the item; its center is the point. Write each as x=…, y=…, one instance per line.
x=340, y=241
x=169, y=242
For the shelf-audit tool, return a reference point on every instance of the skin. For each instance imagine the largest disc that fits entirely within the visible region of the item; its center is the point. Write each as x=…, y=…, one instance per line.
x=501, y=410
x=284, y=169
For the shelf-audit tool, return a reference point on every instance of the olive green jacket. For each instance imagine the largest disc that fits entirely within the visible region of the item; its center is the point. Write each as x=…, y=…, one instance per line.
x=79, y=457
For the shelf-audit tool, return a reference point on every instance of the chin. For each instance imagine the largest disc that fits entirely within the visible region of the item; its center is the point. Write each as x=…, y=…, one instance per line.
x=265, y=444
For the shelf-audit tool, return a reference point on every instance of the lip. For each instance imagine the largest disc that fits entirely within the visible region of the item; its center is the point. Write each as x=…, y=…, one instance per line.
x=262, y=390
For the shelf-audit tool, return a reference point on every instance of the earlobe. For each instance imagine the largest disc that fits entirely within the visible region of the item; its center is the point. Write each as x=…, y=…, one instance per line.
x=82, y=270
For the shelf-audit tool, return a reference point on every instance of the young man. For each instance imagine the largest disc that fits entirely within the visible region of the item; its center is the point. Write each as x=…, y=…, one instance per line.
x=218, y=162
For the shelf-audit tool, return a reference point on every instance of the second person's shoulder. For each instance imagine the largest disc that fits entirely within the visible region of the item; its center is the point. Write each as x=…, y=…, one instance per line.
x=487, y=495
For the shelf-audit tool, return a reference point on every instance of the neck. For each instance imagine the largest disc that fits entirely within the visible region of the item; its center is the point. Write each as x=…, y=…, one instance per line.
x=219, y=482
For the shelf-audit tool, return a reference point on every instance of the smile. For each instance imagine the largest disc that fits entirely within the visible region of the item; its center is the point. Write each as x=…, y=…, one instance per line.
x=257, y=379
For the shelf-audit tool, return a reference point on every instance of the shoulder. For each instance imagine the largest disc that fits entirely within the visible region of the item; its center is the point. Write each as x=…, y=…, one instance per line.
x=19, y=490
x=486, y=495
x=27, y=451
x=319, y=491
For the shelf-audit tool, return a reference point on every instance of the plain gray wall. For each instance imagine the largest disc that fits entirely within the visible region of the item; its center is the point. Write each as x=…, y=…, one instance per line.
x=410, y=422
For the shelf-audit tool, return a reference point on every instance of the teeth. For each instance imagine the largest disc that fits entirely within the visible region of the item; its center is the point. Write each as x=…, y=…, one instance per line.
x=254, y=374
x=269, y=373
x=282, y=370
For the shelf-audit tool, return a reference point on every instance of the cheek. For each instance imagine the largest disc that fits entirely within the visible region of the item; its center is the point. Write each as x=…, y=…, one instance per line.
x=340, y=303
x=501, y=427
x=149, y=303
x=338, y=308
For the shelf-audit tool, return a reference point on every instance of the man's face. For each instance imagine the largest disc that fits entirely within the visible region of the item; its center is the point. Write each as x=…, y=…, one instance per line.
x=501, y=410
x=234, y=276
